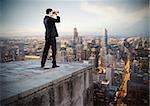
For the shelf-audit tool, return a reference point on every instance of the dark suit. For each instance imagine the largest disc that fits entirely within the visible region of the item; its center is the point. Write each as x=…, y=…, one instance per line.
x=50, y=38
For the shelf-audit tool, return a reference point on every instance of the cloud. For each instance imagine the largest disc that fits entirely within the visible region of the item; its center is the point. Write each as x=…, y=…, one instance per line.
x=110, y=13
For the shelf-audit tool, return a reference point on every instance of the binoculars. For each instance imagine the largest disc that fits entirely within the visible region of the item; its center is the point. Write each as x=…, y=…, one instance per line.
x=55, y=12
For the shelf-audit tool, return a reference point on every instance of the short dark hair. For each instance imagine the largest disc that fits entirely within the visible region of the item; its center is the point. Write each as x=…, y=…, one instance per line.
x=48, y=10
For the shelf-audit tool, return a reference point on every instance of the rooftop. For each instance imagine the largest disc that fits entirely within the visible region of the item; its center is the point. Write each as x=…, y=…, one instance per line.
x=22, y=76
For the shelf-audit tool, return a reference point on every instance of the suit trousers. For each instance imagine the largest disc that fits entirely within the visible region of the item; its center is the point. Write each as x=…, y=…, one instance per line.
x=49, y=42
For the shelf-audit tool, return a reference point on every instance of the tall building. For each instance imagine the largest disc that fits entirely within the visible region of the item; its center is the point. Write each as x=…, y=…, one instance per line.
x=86, y=51
x=70, y=55
x=103, y=50
x=80, y=40
x=75, y=36
x=79, y=49
x=75, y=42
x=106, y=41
x=63, y=53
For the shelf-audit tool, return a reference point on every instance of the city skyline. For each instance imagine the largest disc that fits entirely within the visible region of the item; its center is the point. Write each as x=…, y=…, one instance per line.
x=122, y=18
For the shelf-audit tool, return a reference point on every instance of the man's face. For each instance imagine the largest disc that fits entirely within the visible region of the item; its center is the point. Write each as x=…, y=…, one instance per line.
x=51, y=13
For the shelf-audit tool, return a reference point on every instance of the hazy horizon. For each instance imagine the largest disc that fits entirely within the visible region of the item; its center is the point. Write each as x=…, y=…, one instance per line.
x=18, y=35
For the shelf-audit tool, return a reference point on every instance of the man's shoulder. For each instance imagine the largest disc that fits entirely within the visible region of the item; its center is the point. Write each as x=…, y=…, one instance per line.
x=47, y=19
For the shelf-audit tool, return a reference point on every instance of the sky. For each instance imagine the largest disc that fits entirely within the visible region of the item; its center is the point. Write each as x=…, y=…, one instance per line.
x=119, y=17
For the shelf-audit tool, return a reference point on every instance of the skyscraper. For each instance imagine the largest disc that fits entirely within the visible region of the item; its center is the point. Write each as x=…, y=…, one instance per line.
x=75, y=35
x=106, y=41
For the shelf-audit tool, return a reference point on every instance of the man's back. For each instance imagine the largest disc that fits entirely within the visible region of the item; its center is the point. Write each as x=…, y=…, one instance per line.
x=50, y=27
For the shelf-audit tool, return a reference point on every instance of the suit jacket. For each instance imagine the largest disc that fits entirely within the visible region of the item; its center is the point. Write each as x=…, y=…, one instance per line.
x=50, y=27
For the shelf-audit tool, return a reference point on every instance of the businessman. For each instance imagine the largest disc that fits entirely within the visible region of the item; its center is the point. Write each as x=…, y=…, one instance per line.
x=50, y=36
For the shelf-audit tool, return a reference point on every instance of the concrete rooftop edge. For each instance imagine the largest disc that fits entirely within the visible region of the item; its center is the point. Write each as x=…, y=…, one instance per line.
x=21, y=88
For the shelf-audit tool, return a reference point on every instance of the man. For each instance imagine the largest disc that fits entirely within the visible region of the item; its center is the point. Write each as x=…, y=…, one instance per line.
x=50, y=36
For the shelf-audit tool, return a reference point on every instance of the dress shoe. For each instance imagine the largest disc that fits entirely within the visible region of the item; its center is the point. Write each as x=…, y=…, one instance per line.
x=42, y=65
x=54, y=66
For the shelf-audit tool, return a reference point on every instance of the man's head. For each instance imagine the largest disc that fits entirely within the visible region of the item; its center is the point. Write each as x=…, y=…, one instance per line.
x=49, y=12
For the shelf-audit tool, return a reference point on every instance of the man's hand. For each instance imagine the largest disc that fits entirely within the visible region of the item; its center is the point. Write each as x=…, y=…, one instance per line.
x=57, y=14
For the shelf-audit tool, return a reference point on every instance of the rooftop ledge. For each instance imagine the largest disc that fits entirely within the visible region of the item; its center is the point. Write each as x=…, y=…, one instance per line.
x=21, y=78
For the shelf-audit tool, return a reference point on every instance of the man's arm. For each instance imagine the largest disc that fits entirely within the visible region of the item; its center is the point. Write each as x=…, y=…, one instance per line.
x=55, y=20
